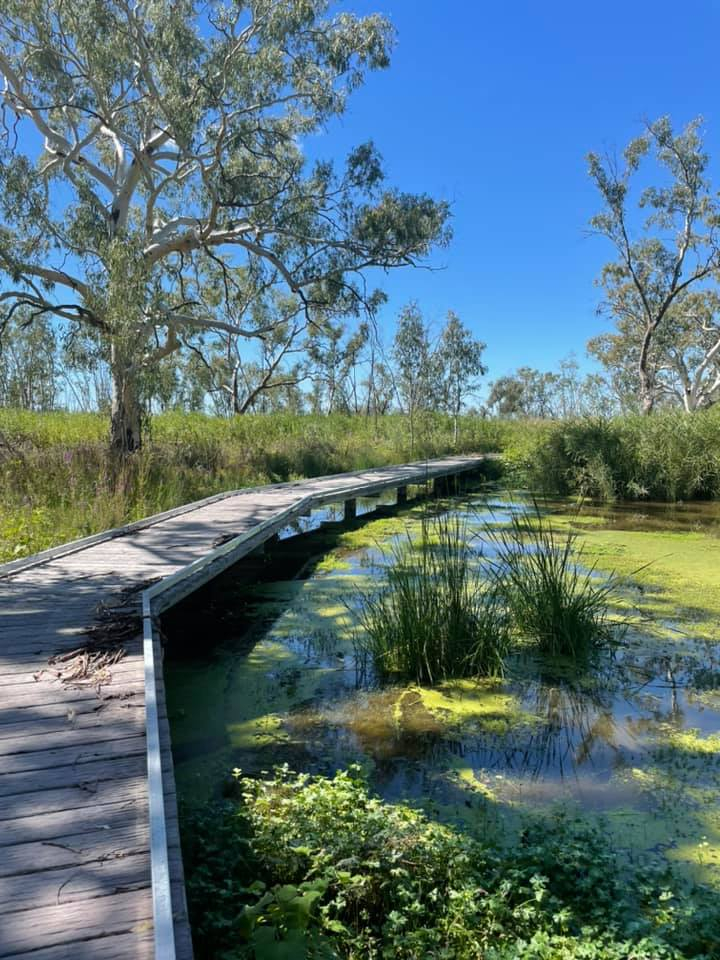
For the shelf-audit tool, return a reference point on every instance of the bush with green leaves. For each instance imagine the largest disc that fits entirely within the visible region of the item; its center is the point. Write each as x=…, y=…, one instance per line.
x=310, y=867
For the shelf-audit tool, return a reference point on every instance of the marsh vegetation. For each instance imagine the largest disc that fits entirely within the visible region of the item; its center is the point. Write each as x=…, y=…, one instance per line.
x=568, y=808
x=437, y=616
x=55, y=477
x=446, y=611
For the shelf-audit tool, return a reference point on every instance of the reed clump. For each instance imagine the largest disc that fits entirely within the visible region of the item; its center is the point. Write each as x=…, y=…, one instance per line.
x=553, y=597
x=668, y=456
x=438, y=616
x=446, y=611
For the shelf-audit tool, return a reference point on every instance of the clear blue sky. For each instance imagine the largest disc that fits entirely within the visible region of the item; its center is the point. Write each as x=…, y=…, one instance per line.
x=494, y=107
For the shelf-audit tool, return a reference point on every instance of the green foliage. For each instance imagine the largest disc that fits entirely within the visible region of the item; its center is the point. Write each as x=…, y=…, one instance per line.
x=328, y=870
x=256, y=80
x=437, y=616
x=663, y=257
x=668, y=456
x=442, y=614
x=54, y=467
x=552, y=597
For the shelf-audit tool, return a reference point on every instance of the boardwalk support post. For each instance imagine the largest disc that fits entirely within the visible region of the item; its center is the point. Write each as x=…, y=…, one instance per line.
x=350, y=510
x=401, y=496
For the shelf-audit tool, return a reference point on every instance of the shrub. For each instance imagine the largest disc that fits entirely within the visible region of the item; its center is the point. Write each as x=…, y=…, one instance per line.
x=669, y=456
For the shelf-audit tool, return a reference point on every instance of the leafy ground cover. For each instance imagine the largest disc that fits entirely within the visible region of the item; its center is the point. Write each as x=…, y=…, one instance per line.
x=302, y=866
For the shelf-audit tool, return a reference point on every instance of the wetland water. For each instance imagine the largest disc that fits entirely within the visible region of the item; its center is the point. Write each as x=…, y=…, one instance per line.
x=631, y=738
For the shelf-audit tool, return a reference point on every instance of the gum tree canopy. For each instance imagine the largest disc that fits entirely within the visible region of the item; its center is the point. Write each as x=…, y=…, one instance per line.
x=150, y=147
x=673, y=250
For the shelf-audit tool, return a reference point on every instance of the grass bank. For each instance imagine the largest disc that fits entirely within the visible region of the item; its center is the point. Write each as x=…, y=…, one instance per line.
x=54, y=467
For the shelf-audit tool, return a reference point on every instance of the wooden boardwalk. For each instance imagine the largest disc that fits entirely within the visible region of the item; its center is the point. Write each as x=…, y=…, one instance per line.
x=90, y=864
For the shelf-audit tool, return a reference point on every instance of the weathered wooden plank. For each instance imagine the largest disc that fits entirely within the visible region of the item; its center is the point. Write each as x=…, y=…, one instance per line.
x=99, y=878
x=86, y=775
x=129, y=668
x=126, y=837
x=77, y=798
x=66, y=729
x=104, y=815
x=125, y=946
x=66, y=923
x=53, y=691
x=28, y=713
x=77, y=756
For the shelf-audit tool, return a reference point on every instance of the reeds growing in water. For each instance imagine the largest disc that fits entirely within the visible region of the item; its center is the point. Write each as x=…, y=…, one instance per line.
x=553, y=598
x=446, y=611
x=438, y=616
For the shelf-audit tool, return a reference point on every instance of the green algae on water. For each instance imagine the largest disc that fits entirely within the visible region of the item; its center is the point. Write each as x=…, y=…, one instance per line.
x=630, y=741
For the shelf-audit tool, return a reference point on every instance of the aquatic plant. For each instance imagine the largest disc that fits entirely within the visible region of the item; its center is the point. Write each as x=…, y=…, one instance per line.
x=303, y=866
x=437, y=616
x=553, y=598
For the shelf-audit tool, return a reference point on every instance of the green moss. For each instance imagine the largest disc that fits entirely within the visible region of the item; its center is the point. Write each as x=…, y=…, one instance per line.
x=374, y=532
x=683, y=567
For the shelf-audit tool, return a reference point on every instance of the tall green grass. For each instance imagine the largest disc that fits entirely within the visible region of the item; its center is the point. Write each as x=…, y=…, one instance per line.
x=668, y=456
x=437, y=616
x=55, y=467
x=446, y=611
x=552, y=597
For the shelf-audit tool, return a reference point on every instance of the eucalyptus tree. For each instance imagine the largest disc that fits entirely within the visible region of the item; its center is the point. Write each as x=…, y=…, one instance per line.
x=335, y=356
x=416, y=367
x=673, y=249
x=460, y=358
x=683, y=364
x=147, y=146
x=28, y=366
x=239, y=378
x=525, y=393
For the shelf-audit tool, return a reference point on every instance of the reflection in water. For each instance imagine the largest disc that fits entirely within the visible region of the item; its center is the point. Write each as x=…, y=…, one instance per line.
x=571, y=734
x=695, y=516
